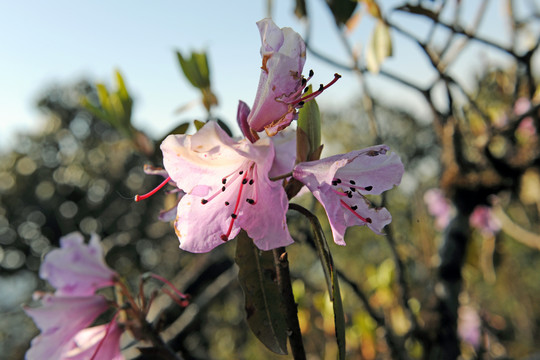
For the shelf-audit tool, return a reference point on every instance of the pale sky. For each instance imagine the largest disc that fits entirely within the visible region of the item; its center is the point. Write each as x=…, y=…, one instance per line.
x=47, y=42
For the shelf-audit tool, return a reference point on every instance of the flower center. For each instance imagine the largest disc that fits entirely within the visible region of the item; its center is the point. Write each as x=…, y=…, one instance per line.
x=348, y=196
x=234, y=183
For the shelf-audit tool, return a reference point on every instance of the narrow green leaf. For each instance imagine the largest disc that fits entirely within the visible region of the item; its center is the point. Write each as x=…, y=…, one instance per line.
x=330, y=274
x=332, y=281
x=200, y=60
x=257, y=276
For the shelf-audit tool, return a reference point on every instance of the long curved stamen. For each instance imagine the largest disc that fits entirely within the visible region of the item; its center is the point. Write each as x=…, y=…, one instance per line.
x=147, y=195
x=351, y=209
x=318, y=92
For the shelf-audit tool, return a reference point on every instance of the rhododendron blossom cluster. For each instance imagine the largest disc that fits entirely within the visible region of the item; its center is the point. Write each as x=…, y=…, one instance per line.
x=228, y=183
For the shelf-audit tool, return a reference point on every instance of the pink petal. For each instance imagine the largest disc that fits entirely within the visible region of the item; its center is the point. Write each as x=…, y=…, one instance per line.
x=285, y=148
x=77, y=269
x=60, y=319
x=340, y=182
x=284, y=54
x=191, y=160
x=241, y=117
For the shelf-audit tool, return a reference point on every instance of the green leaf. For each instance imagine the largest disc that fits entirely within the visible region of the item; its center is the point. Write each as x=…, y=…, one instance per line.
x=341, y=9
x=198, y=124
x=332, y=282
x=379, y=48
x=330, y=274
x=224, y=127
x=195, y=69
x=300, y=9
x=257, y=276
x=309, y=120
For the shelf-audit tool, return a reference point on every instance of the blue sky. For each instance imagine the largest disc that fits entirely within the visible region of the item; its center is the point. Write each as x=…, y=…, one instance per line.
x=43, y=43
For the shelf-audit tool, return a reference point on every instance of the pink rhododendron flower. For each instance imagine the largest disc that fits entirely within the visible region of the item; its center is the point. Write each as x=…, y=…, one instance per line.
x=469, y=326
x=482, y=218
x=77, y=269
x=60, y=318
x=340, y=182
x=227, y=189
x=281, y=83
x=98, y=342
x=439, y=207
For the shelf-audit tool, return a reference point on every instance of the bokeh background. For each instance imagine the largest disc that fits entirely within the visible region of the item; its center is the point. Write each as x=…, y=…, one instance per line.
x=450, y=86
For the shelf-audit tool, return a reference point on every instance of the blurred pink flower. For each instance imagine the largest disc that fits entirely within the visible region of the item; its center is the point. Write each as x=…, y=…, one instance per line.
x=340, y=182
x=59, y=319
x=521, y=106
x=439, y=207
x=469, y=326
x=482, y=218
x=227, y=189
x=77, y=269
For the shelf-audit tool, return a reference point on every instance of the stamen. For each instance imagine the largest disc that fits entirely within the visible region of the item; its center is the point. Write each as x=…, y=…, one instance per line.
x=318, y=92
x=234, y=215
x=344, y=204
x=147, y=195
x=367, y=188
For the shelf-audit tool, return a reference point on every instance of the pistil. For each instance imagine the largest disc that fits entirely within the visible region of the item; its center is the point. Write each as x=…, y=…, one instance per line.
x=147, y=195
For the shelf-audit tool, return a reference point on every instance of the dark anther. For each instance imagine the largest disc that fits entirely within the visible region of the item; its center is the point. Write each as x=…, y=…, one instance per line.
x=204, y=201
x=306, y=90
x=244, y=181
x=250, y=201
x=368, y=188
x=234, y=216
x=349, y=194
x=301, y=103
x=226, y=203
x=352, y=182
x=321, y=88
x=304, y=81
x=224, y=237
x=334, y=182
x=223, y=188
x=354, y=207
x=251, y=182
x=368, y=220
x=353, y=189
x=223, y=181
x=241, y=172
x=311, y=73
x=338, y=181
